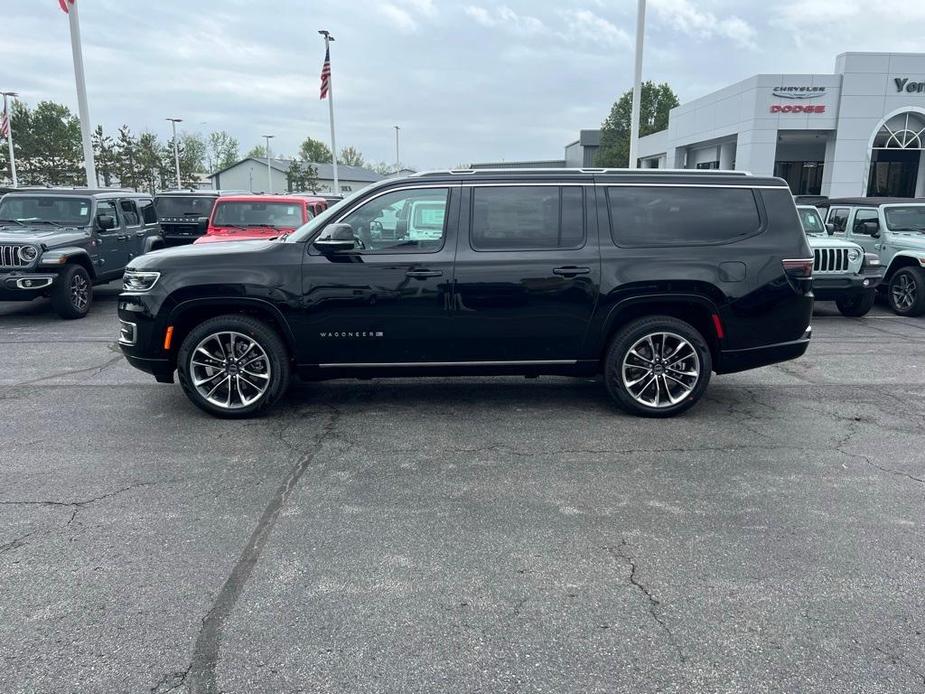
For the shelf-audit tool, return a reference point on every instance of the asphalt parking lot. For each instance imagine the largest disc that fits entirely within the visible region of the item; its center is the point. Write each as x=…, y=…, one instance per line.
x=484, y=535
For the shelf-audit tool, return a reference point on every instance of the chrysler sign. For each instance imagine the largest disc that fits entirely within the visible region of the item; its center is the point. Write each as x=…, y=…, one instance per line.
x=798, y=92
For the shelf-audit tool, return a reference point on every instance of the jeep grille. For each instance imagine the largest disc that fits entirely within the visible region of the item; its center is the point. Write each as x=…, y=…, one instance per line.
x=9, y=257
x=830, y=260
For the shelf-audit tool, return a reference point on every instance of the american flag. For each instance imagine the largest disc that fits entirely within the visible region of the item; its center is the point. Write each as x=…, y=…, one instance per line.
x=64, y=5
x=4, y=125
x=326, y=74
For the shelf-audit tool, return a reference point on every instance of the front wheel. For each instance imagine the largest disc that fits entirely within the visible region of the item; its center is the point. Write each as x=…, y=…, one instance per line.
x=856, y=305
x=906, y=292
x=233, y=366
x=72, y=292
x=657, y=367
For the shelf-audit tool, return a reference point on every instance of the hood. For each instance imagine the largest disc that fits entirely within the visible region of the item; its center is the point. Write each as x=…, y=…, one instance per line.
x=830, y=242
x=47, y=235
x=216, y=234
x=191, y=254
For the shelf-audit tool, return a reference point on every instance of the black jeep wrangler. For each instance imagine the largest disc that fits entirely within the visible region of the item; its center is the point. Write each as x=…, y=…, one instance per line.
x=184, y=214
x=59, y=242
x=654, y=279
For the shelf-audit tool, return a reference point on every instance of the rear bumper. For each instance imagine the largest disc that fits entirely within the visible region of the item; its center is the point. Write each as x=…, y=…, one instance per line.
x=733, y=360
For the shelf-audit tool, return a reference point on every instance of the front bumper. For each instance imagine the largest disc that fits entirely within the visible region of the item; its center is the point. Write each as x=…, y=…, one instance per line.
x=141, y=337
x=25, y=286
x=827, y=288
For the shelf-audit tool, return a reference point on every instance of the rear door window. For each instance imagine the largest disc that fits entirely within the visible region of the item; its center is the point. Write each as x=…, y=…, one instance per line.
x=523, y=218
x=646, y=216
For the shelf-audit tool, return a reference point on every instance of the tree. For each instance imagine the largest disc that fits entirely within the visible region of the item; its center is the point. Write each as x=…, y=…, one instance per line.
x=191, y=152
x=152, y=158
x=351, y=156
x=315, y=151
x=258, y=152
x=301, y=176
x=383, y=169
x=655, y=103
x=125, y=159
x=47, y=144
x=104, y=153
x=223, y=151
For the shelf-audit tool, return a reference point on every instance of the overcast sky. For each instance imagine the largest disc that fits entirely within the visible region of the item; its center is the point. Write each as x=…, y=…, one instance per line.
x=466, y=81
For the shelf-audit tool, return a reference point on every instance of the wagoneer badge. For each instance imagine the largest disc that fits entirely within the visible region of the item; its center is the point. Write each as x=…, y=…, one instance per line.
x=354, y=333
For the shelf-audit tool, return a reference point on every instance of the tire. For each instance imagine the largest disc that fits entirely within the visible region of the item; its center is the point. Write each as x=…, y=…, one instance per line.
x=906, y=292
x=622, y=368
x=243, y=387
x=72, y=292
x=856, y=305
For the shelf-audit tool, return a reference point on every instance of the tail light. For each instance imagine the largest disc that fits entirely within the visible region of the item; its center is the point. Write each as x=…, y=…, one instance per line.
x=799, y=268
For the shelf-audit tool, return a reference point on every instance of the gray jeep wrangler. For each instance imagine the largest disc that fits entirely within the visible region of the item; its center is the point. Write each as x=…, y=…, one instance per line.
x=60, y=242
x=842, y=271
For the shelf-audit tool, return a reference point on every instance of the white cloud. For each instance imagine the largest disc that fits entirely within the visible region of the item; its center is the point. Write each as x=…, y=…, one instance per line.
x=683, y=16
x=586, y=25
x=505, y=18
x=399, y=17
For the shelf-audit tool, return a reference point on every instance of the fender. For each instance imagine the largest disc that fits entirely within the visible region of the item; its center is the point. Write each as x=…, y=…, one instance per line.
x=915, y=258
x=66, y=254
x=239, y=301
x=152, y=241
x=596, y=342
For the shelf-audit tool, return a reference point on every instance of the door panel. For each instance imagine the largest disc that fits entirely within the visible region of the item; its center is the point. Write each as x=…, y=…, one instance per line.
x=113, y=243
x=524, y=305
x=386, y=302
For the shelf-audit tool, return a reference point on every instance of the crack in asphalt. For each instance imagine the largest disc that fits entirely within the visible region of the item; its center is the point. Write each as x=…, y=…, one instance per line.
x=619, y=553
x=74, y=505
x=200, y=677
x=17, y=542
x=841, y=446
x=900, y=660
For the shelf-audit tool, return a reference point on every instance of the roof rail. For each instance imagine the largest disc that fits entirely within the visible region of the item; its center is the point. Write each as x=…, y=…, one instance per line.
x=591, y=170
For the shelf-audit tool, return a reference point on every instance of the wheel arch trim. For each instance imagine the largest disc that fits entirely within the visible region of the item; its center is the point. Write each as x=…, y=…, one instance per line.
x=233, y=303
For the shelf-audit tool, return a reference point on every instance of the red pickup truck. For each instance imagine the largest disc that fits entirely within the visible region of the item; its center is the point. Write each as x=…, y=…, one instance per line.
x=242, y=217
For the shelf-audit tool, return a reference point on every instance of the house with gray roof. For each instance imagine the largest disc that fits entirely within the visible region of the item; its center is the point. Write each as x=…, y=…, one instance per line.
x=251, y=174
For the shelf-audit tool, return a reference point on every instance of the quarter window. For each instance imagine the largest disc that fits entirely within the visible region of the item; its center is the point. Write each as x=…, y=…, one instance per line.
x=645, y=216
x=129, y=213
x=524, y=218
x=404, y=221
x=148, y=214
x=838, y=217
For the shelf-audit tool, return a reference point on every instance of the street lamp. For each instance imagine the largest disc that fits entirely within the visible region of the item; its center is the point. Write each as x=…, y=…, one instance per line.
x=176, y=150
x=269, y=172
x=397, y=157
x=9, y=133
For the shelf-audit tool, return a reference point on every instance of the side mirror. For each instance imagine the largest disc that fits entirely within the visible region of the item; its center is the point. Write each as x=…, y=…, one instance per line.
x=872, y=228
x=830, y=228
x=336, y=237
x=105, y=222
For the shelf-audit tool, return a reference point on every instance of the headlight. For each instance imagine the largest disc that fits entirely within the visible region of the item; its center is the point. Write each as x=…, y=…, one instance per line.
x=133, y=281
x=871, y=259
x=28, y=253
x=854, y=254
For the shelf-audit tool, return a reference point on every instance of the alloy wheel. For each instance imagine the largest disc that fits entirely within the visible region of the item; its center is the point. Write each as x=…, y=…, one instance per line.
x=80, y=292
x=660, y=370
x=903, y=291
x=230, y=370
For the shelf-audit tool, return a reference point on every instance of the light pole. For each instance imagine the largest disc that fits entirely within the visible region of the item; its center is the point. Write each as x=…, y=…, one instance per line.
x=269, y=171
x=9, y=133
x=637, y=81
x=176, y=149
x=397, y=157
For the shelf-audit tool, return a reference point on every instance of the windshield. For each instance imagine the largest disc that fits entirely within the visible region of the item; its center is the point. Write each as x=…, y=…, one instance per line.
x=68, y=210
x=905, y=218
x=183, y=205
x=812, y=222
x=252, y=214
x=306, y=230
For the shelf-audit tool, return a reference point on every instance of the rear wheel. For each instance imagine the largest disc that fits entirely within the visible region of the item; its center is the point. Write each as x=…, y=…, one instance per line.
x=856, y=305
x=233, y=366
x=657, y=367
x=906, y=292
x=72, y=292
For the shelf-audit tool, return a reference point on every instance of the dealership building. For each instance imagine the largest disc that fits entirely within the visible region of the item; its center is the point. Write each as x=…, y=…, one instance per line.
x=857, y=131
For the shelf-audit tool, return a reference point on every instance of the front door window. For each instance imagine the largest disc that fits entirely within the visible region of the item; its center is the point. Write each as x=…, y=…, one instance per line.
x=403, y=221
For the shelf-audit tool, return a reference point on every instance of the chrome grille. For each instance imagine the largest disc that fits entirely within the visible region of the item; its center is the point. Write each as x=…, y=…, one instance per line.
x=830, y=260
x=9, y=257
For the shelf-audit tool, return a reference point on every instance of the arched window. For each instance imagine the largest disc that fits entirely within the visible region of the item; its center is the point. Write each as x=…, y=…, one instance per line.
x=902, y=131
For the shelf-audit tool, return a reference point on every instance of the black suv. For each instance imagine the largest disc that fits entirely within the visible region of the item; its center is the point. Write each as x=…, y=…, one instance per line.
x=654, y=279
x=59, y=242
x=184, y=214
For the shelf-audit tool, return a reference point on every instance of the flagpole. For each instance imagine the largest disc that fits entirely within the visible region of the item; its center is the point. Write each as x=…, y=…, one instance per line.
x=327, y=48
x=82, y=108
x=9, y=136
x=637, y=82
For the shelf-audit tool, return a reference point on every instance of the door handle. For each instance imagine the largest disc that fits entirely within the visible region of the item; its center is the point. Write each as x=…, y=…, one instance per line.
x=122, y=237
x=139, y=233
x=423, y=273
x=571, y=271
